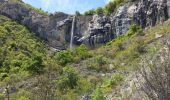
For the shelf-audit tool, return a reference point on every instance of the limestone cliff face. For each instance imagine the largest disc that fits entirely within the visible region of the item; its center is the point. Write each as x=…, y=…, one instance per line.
x=91, y=30
x=101, y=28
x=168, y=4
x=44, y=26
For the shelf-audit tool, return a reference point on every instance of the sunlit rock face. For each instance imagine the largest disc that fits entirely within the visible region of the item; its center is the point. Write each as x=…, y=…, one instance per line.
x=80, y=28
x=149, y=12
x=94, y=30
x=121, y=21
x=168, y=4
x=102, y=29
x=99, y=30
x=44, y=26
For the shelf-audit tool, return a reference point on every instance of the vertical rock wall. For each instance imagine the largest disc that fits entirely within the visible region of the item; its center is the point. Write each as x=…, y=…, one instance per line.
x=168, y=4
x=94, y=30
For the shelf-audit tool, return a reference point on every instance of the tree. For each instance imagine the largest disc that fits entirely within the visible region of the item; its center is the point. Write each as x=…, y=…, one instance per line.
x=110, y=8
x=36, y=66
x=77, y=13
x=90, y=12
x=99, y=10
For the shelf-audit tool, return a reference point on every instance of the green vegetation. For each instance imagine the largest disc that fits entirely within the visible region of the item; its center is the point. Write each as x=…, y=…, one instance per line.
x=29, y=7
x=77, y=13
x=98, y=95
x=2, y=96
x=22, y=95
x=40, y=11
x=68, y=79
x=19, y=50
x=107, y=9
x=115, y=80
x=70, y=56
x=90, y=12
x=99, y=10
x=99, y=63
x=70, y=74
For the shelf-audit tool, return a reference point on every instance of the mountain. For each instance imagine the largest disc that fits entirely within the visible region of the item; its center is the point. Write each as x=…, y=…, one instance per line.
x=122, y=54
x=97, y=29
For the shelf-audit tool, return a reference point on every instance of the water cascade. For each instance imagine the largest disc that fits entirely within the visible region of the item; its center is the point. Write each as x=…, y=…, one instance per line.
x=72, y=32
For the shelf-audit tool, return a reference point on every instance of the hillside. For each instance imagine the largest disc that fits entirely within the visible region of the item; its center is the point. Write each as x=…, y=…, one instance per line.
x=22, y=54
x=25, y=64
x=109, y=61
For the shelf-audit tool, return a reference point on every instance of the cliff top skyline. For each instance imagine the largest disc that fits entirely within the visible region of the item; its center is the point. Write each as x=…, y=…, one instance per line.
x=66, y=6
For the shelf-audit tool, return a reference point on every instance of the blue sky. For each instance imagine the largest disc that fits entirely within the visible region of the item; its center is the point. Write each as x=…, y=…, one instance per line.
x=67, y=6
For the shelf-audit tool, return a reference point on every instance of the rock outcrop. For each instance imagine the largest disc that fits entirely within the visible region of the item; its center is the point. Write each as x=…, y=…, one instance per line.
x=168, y=4
x=44, y=26
x=102, y=29
x=91, y=30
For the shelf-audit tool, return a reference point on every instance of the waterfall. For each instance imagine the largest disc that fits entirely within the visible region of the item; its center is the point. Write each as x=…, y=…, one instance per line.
x=72, y=33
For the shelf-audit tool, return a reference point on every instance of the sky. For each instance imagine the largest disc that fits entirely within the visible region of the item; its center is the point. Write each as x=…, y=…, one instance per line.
x=66, y=6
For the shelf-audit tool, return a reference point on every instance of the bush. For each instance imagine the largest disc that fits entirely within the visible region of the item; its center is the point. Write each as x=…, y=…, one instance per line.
x=68, y=79
x=36, y=66
x=98, y=95
x=82, y=52
x=2, y=96
x=77, y=13
x=70, y=56
x=115, y=80
x=99, y=10
x=90, y=12
x=109, y=8
x=64, y=57
x=112, y=5
x=99, y=63
x=22, y=95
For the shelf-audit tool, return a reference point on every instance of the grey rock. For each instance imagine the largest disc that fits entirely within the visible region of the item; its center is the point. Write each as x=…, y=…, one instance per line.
x=168, y=4
x=55, y=29
x=121, y=21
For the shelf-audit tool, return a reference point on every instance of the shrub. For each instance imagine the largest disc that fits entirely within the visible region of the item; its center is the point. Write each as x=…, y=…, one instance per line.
x=101, y=60
x=77, y=13
x=115, y=80
x=99, y=63
x=112, y=5
x=71, y=56
x=90, y=12
x=109, y=8
x=98, y=95
x=36, y=66
x=22, y=95
x=99, y=10
x=68, y=79
x=2, y=96
x=132, y=29
x=82, y=52
x=64, y=57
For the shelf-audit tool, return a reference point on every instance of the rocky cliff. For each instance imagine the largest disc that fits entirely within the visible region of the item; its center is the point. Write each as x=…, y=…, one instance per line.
x=91, y=30
x=102, y=29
